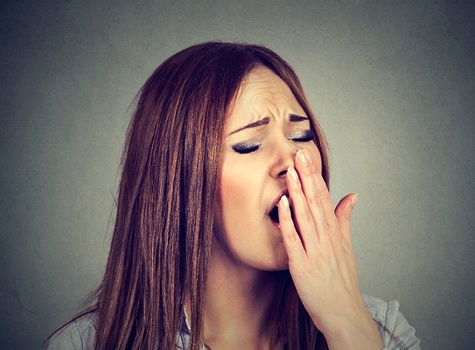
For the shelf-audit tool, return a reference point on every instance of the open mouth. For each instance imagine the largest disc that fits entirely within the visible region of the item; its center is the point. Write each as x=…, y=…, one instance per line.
x=274, y=214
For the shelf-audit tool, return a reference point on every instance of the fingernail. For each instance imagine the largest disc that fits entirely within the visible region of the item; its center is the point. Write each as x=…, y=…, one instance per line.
x=303, y=157
x=285, y=201
x=293, y=174
x=354, y=199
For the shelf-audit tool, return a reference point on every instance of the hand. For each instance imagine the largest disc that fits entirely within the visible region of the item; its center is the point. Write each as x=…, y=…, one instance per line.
x=321, y=258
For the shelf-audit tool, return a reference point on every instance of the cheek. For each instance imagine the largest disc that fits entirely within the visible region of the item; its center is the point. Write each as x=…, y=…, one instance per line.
x=238, y=194
x=233, y=192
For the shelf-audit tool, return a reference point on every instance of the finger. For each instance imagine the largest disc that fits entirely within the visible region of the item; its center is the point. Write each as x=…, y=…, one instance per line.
x=303, y=218
x=343, y=212
x=292, y=243
x=312, y=182
x=316, y=191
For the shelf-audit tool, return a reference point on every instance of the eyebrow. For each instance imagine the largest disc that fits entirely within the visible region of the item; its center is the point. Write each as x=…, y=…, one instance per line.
x=292, y=118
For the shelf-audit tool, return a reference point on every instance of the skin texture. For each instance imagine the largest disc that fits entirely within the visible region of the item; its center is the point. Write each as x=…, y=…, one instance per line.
x=251, y=184
x=321, y=258
x=248, y=246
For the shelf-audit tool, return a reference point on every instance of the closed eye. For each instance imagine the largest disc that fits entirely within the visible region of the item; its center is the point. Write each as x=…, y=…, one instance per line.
x=305, y=136
x=245, y=147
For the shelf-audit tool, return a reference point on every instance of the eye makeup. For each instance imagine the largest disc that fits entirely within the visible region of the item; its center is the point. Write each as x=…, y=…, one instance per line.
x=246, y=147
x=251, y=146
x=302, y=136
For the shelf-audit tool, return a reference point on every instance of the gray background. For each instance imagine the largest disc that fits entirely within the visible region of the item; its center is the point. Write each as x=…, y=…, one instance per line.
x=393, y=85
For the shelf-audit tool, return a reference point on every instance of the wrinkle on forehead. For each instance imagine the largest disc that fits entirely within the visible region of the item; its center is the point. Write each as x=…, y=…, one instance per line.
x=265, y=94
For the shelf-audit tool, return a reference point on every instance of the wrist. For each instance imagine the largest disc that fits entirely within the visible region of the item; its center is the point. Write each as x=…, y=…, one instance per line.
x=353, y=331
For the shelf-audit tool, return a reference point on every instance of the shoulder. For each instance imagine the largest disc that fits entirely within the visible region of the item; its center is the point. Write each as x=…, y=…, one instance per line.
x=393, y=326
x=76, y=335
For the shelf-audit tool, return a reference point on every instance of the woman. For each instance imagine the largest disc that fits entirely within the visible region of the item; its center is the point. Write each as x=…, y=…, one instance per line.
x=225, y=235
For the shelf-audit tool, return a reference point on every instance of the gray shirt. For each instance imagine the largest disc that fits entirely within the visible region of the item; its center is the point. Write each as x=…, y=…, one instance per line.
x=393, y=327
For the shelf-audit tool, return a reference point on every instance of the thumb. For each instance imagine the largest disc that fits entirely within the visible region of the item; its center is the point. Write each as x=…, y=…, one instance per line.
x=343, y=212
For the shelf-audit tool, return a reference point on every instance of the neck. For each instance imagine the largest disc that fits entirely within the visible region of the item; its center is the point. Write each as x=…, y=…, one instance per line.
x=238, y=305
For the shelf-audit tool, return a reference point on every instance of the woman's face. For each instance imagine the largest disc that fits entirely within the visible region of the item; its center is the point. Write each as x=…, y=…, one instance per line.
x=265, y=129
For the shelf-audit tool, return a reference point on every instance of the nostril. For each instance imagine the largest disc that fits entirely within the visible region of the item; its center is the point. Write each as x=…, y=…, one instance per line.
x=282, y=173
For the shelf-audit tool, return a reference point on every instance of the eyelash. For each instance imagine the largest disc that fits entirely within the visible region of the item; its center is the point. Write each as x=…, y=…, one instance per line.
x=249, y=147
x=306, y=136
x=245, y=148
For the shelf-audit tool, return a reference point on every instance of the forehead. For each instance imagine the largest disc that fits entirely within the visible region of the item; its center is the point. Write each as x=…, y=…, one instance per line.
x=263, y=94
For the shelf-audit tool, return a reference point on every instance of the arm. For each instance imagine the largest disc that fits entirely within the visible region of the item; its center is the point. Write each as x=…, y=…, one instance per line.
x=321, y=259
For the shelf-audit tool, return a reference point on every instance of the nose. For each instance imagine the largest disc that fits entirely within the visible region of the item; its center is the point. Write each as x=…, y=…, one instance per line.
x=283, y=157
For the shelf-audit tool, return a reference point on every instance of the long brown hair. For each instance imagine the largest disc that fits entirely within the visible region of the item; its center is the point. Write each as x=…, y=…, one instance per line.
x=164, y=223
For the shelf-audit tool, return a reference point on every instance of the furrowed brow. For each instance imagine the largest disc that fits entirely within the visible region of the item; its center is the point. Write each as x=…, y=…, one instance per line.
x=261, y=122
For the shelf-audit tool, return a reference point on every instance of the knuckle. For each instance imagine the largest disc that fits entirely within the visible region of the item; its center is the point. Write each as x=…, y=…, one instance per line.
x=285, y=218
x=291, y=236
x=329, y=222
x=324, y=193
x=313, y=199
x=305, y=216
